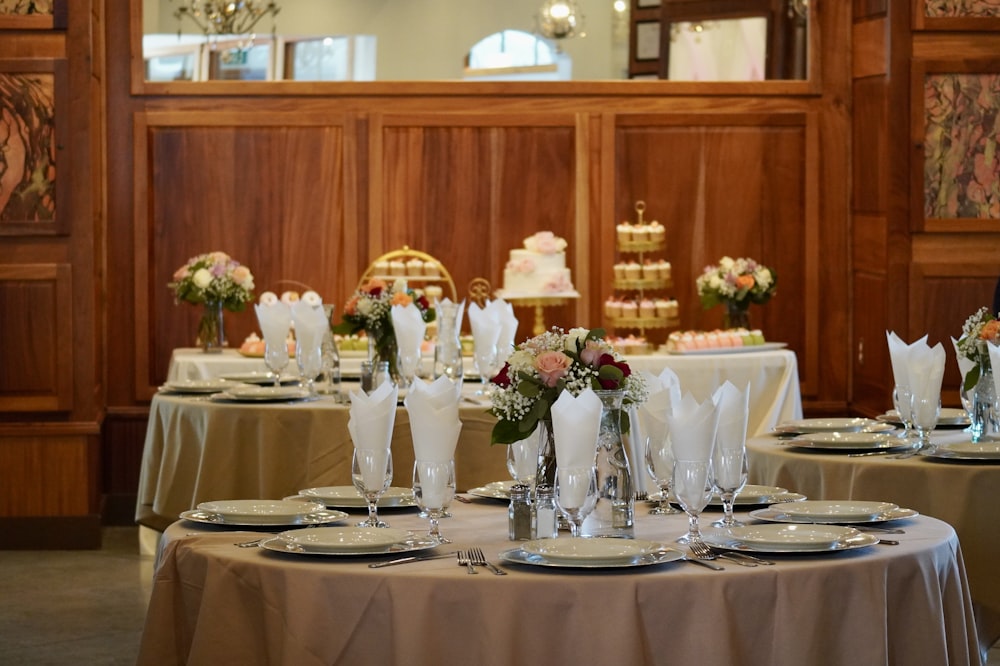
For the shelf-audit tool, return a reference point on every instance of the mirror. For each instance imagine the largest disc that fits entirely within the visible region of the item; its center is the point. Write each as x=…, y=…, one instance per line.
x=396, y=40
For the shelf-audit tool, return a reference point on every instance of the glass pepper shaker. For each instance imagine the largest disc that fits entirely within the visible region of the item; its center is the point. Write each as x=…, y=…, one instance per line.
x=546, y=525
x=381, y=374
x=519, y=513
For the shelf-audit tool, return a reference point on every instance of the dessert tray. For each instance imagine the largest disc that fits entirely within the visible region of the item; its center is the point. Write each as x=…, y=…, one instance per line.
x=348, y=497
x=584, y=553
x=970, y=452
x=783, y=538
x=712, y=351
x=346, y=541
x=262, y=513
x=843, y=424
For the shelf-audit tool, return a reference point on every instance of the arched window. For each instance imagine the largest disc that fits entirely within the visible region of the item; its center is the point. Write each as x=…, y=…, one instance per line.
x=515, y=54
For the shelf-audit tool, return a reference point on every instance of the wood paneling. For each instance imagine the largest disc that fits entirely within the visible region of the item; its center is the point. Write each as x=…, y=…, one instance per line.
x=36, y=337
x=869, y=48
x=870, y=141
x=54, y=476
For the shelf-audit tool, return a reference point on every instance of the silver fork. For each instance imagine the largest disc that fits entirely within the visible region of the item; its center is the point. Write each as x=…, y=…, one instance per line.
x=701, y=550
x=478, y=558
x=463, y=560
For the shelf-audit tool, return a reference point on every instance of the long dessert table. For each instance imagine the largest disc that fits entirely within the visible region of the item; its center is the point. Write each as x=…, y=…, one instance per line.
x=963, y=494
x=214, y=602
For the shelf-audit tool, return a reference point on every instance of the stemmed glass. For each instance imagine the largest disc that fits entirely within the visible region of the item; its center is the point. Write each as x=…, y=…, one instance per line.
x=371, y=472
x=433, y=489
x=522, y=460
x=925, y=413
x=576, y=494
x=660, y=463
x=409, y=363
x=902, y=400
x=693, y=488
x=729, y=468
x=310, y=362
x=485, y=357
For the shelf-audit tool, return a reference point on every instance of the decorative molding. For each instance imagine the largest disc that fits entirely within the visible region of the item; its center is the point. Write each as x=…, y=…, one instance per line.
x=956, y=15
x=37, y=15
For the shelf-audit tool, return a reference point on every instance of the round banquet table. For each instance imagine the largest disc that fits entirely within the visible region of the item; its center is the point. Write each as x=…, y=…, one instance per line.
x=961, y=494
x=215, y=603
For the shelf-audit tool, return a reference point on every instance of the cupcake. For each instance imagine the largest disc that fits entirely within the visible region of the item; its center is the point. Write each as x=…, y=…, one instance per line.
x=657, y=232
x=673, y=308
x=665, y=269
x=415, y=267
x=431, y=268
x=614, y=308
x=662, y=307
x=624, y=232
x=381, y=267
x=650, y=270
x=633, y=271
x=620, y=271
x=433, y=292
x=640, y=232
x=397, y=268
x=629, y=310
x=647, y=308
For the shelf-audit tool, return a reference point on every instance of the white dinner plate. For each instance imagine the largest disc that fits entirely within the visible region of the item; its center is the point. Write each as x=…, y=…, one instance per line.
x=751, y=495
x=317, y=517
x=262, y=394
x=844, y=424
x=949, y=418
x=499, y=490
x=715, y=351
x=774, y=516
x=848, y=441
x=260, y=378
x=518, y=556
x=988, y=451
x=347, y=541
x=349, y=497
x=595, y=551
x=251, y=511
x=196, y=386
x=785, y=538
x=834, y=511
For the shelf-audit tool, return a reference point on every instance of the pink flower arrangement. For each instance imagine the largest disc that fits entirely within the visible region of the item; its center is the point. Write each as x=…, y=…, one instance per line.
x=213, y=278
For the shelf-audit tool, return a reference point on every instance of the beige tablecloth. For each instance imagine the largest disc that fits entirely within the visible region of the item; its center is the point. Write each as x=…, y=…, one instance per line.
x=213, y=603
x=963, y=495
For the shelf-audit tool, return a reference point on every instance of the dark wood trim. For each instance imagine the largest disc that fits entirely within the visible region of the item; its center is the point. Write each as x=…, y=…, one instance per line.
x=50, y=532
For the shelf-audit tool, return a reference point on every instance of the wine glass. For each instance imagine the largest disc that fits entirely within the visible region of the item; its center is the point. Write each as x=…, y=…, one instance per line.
x=522, y=460
x=660, y=463
x=309, y=358
x=409, y=363
x=729, y=467
x=902, y=400
x=485, y=358
x=371, y=472
x=576, y=494
x=433, y=489
x=693, y=488
x=276, y=358
x=925, y=412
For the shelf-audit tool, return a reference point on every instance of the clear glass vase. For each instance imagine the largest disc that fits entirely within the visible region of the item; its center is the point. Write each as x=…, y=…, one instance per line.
x=382, y=348
x=545, y=474
x=737, y=315
x=211, y=333
x=983, y=413
x=614, y=514
x=448, y=348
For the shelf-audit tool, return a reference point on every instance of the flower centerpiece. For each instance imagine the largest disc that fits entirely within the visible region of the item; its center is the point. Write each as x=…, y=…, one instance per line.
x=979, y=329
x=369, y=309
x=217, y=282
x=736, y=283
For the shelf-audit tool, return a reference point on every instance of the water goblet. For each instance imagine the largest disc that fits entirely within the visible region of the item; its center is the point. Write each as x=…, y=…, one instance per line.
x=925, y=412
x=693, y=488
x=660, y=463
x=309, y=358
x=522, y=460
x=276, y=358
x=485, y=358
x=902, y=400
x=371, y=472
x=434, y=489
x=729, y=467
x=576, y=494
x=408, y=364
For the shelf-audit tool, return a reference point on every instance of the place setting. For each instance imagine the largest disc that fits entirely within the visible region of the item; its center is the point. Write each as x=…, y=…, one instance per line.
x=262, y=513
x=812, y=426
x=195, y=386
x=833, y=512
x=258, y=394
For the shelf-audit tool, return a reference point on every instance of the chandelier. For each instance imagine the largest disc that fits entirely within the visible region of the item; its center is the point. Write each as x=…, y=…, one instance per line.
x=226, y=17
x=560, y=19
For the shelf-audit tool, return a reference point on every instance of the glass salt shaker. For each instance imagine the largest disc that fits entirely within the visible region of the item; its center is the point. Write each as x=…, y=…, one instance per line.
x=519, y=513
x=381, y=374
x=546, y=525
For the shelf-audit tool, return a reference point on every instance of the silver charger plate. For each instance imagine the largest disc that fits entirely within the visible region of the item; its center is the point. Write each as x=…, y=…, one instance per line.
x=518, y=556
x=842, y=424
x=277, y=544
x=772, y=516
x=761, y=499
x=965, y=452
x=858, y=540
x=325, y=517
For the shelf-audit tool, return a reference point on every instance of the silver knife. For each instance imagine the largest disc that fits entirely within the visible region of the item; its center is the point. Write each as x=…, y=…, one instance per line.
x=411, y=558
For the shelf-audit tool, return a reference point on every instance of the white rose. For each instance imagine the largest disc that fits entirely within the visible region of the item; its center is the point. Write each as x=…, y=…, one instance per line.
x=364, y=307
x=575, y=338
x=727, y=263
x=399, y=286
x=202, y=278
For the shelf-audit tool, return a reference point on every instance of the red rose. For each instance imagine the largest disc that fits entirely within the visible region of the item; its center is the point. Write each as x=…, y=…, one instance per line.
x=502, y=378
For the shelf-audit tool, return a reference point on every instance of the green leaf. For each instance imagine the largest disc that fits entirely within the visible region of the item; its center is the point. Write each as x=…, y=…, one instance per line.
x=971, y=378
x=507, y=432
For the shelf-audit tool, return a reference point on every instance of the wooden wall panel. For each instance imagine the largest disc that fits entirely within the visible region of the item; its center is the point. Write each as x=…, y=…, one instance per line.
x=36, y=337
x=47, y=477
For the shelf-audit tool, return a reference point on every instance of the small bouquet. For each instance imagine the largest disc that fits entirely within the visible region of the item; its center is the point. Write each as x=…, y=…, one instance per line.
x=541, y=368
x=980, y=329
x=213, y=279
x=736, y=281
x=369, y=309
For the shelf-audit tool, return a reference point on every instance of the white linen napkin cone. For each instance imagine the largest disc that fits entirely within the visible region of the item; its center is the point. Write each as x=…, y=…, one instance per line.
x=485, y=327
x=576, y=422
x=508, y=329
x=925, y=368
x=310, y=324
x=733, y=406
x=692, y=427
x=964, y=364
x=370, y=424
x=650, y=421
x=899, y=356
x=275, y=320
x=410, y=327
x=434, y=422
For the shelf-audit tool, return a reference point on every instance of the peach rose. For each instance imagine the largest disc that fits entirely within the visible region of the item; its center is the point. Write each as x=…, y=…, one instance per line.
x=744, y=282
x=373, y=285
x=401, y=298
x=351, y=307
x=552, y=366
x=240, y=274
x=990, y=331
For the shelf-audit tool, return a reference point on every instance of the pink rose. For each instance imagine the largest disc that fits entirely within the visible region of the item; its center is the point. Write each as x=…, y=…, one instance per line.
x=240, y=274
x=180, y=273
x=552, y=366
x=591, y=353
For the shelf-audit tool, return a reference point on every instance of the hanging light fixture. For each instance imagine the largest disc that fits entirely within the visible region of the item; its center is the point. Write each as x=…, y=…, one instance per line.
x=560, y=19
x=226, y=17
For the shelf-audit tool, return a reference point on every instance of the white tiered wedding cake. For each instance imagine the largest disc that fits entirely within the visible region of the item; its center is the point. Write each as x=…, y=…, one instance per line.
x=538, y=269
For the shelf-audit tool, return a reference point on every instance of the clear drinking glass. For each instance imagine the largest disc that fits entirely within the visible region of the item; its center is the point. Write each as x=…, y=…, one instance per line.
x=902, y=400
x=925, y=413
x=660, y=464
x=576, y=494
x=693, y=487
x=485, y=357
x=310, y=362
x=729, y=467
x=522, y=460
x=434, y=489
x=371, y=472
x=276, y=358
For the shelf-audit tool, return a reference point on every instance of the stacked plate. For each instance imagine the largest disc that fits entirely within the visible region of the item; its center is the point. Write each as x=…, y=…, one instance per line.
x=262, y=513
x=950, y=418
x=259, y=378
x=203, y=386
x=779, y=538
x=976, y=452
x=844, y=424
x=346, y=541
x=348, y=497
x=849, y=442
x=828, y=512
x=577, y=552
x=249, y=393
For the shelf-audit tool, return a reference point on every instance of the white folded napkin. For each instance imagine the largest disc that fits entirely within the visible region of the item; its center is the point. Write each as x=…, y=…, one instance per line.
x=731, y=434
x=372, y=418
x=917, y=366
x=311, y=324
x=409, y=327
x=964, y=364
x=576, y=422
x=275, y=320
x=899, y=355
x=434, y=423
x=692, y=427
x=485, y=327
x=508, y=328
x=650, y=421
